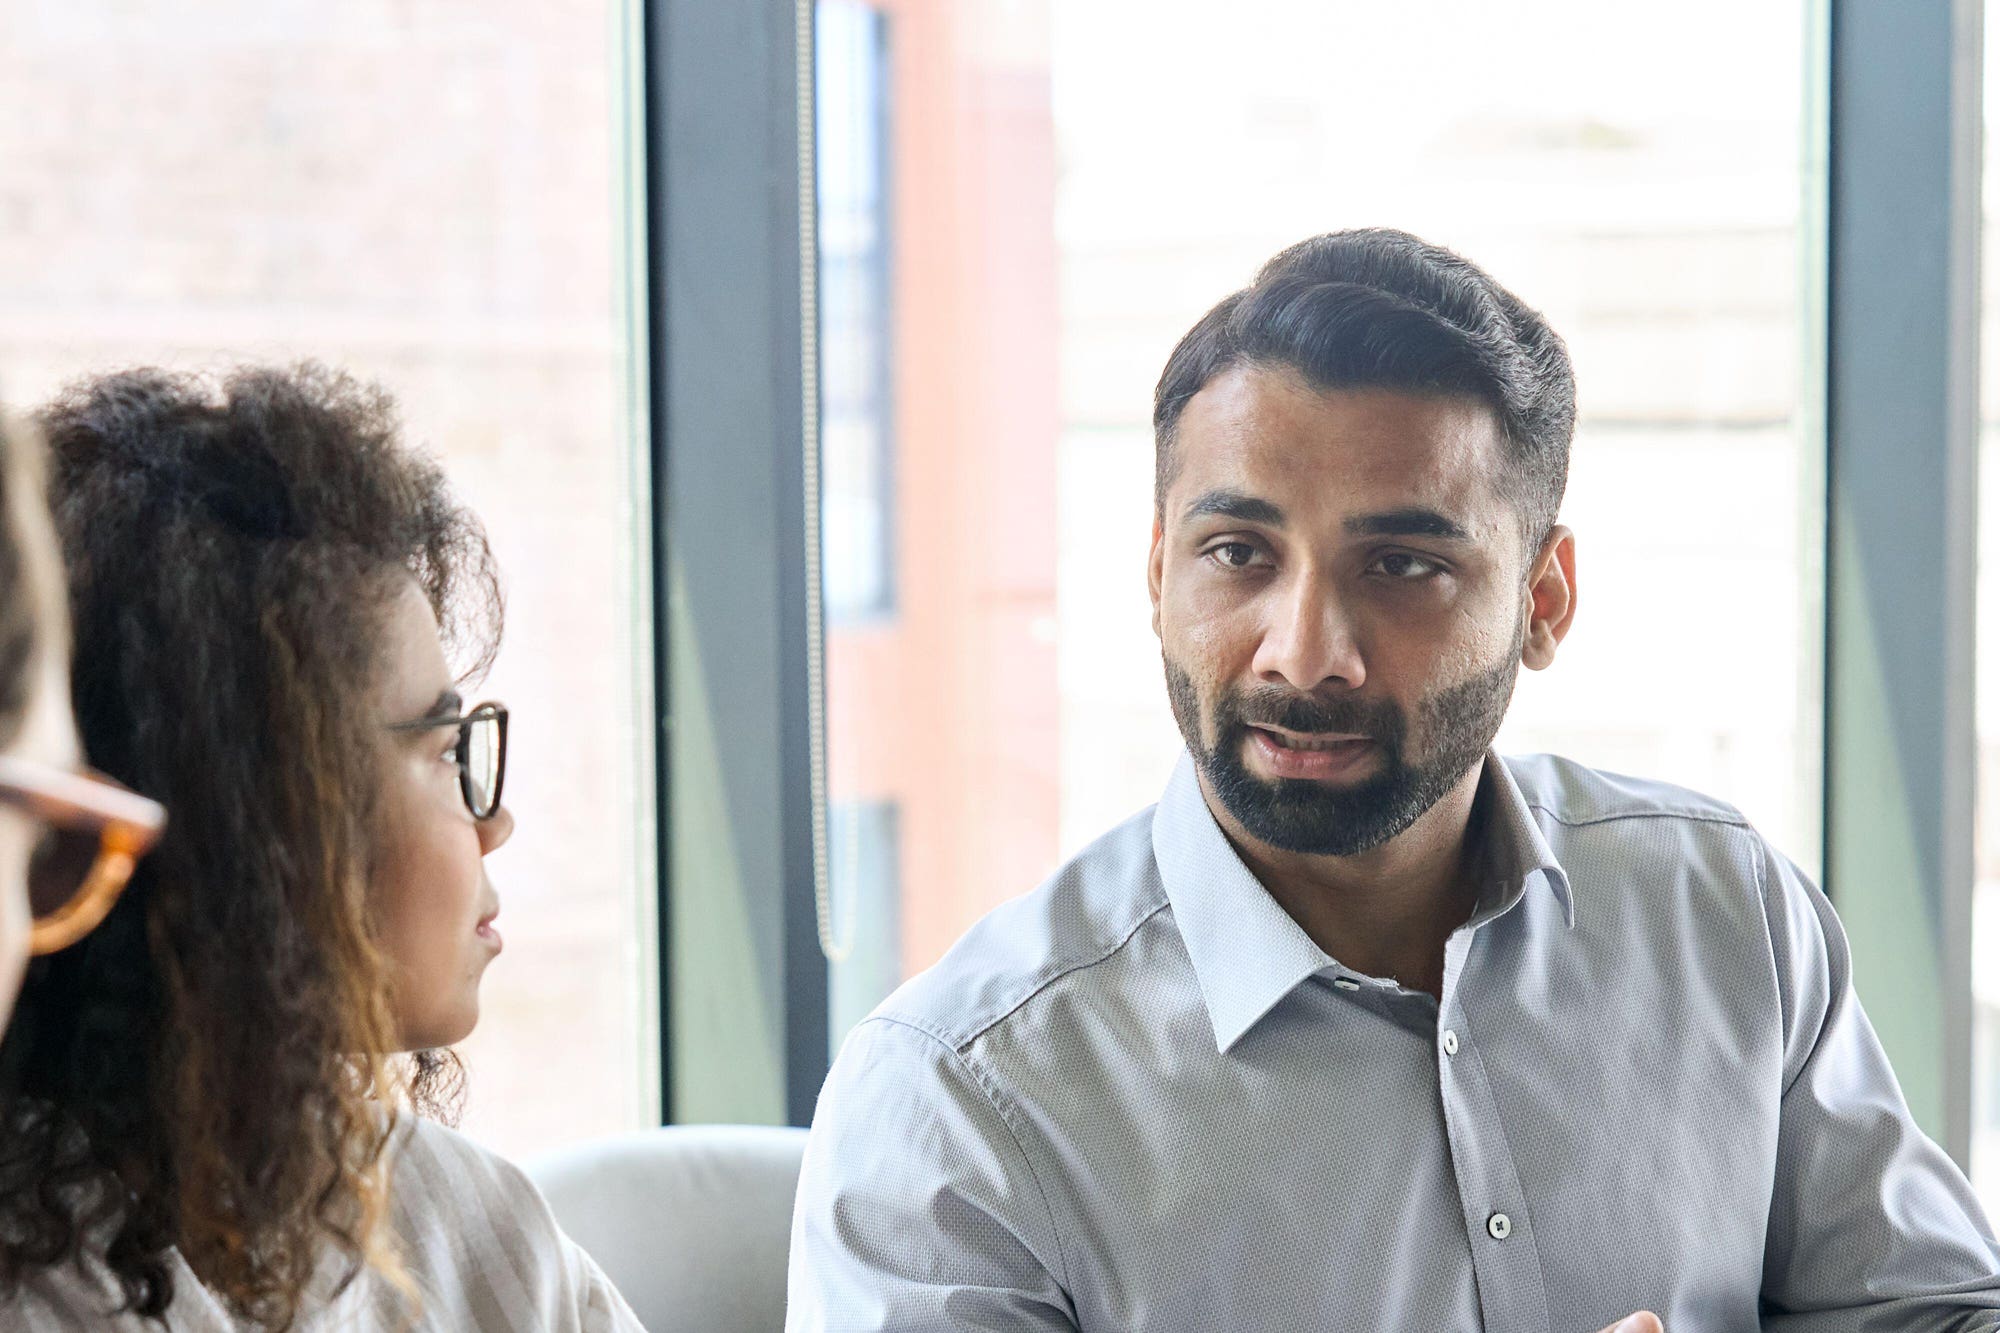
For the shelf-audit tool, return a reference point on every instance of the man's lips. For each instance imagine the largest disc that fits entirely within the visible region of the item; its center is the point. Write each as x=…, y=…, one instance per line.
x=1323, y=756
x=1310, y=740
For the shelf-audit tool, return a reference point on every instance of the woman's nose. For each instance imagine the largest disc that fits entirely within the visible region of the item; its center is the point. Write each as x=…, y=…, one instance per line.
x=495, y=830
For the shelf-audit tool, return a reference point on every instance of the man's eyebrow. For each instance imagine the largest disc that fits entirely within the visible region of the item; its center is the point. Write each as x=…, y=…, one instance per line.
x=1413, y=522
x=1236, y=505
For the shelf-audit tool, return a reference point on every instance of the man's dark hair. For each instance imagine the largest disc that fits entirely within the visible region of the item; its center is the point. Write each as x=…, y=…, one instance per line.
x=1380, y=309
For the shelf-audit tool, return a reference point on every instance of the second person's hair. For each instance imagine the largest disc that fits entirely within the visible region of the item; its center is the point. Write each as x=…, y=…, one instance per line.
x=209, y=1070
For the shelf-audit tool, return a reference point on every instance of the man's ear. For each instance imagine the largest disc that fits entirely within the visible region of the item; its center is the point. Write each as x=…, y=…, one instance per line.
x=1155, y=568
x=1551, y=598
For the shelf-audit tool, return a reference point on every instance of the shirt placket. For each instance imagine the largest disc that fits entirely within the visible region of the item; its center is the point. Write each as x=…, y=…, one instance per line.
x=1513, y=1297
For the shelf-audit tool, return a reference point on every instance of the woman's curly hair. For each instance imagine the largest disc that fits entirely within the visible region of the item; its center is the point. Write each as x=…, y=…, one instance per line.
x=210, y=1070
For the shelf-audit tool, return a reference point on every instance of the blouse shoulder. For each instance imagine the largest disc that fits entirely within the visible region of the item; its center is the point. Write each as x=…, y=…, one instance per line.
x=481, y=1246
x=446, y=1167
x=475, y=1238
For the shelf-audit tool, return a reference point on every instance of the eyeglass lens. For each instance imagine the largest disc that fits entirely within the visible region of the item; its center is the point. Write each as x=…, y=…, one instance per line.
x=482, y=763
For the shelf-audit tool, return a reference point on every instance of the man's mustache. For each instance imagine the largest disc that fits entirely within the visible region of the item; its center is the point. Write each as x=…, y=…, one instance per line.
x=1378, y=720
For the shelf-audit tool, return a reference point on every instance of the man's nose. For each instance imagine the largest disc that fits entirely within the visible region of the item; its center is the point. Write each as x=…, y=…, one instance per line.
x=1309, y=642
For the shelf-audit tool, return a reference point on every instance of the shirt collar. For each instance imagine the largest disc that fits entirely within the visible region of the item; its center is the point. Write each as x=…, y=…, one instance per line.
x=1516, y=852
x=1247, y=952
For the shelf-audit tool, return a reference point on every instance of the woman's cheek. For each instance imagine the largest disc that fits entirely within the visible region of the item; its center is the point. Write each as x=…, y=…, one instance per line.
x=16, y=919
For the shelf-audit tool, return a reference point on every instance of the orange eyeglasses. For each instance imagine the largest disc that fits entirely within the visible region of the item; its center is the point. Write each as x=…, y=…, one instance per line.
x=96, y=831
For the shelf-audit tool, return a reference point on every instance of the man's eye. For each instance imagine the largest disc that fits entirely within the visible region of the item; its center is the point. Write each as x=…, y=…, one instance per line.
x=1233, y=555
x=1403, y=565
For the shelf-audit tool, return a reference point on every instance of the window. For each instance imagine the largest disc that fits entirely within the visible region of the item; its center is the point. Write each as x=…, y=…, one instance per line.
x=428, y=196
x=863, y=848
x=850, y=81
x=858, y=516
x=1077, y=183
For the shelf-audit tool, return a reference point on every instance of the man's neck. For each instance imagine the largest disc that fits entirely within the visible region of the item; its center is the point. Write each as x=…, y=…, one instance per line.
x=1386, y=912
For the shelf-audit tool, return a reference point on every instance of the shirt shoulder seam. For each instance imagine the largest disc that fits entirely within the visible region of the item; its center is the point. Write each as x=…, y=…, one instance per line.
x=1035, y=987
x=999, y=1104
x=1724, y=818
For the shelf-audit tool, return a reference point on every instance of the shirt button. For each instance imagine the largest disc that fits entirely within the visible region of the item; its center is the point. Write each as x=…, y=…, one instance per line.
x=1499, y=1226
x=1450, y=1042
x=1347, y=983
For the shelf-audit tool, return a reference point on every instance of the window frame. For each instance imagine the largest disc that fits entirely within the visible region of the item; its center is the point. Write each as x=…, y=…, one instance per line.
x=1902, y=88
x=743, y=994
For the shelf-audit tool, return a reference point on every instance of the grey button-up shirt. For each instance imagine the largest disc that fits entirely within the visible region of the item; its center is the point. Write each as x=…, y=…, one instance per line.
x=1141, y=1099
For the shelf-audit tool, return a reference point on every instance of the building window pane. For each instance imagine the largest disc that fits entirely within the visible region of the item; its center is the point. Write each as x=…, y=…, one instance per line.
x=850, y=83
x=427, y=196
x=862, y=849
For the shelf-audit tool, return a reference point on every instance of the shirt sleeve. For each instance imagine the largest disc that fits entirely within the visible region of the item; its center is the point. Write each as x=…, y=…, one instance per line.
x=1872, y=1227
x=917, y=1207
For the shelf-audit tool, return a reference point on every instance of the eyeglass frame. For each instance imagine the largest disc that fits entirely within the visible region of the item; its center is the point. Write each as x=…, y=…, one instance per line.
x=127, y=825
x=479, y=712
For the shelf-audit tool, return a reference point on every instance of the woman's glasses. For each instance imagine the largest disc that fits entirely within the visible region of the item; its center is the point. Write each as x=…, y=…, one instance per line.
x=94, y=832
x=482, y=754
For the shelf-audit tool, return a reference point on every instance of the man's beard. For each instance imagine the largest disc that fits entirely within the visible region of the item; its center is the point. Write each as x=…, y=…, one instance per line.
x=1456, y=724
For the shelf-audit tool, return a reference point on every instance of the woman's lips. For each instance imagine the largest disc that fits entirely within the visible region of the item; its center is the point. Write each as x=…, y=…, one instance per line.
x=1324, y=757
x=485, y=930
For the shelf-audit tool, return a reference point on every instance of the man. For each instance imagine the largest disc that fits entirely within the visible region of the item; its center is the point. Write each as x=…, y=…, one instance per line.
x=1362, y=1027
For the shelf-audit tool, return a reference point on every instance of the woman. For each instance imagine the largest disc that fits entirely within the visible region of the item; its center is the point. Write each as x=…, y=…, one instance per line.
x=68, y=839
x=205, y=1122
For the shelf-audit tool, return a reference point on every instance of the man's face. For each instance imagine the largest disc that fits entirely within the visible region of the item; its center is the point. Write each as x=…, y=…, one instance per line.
x=1342, y=601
